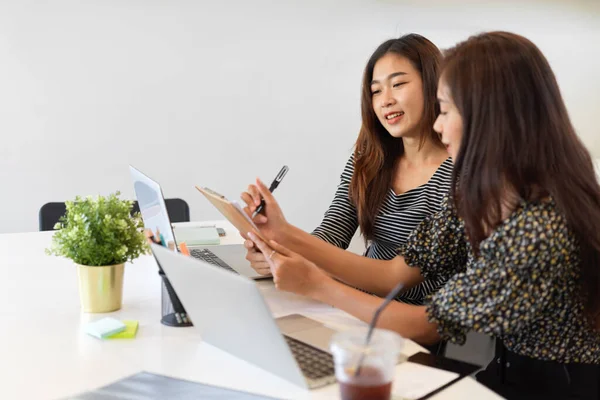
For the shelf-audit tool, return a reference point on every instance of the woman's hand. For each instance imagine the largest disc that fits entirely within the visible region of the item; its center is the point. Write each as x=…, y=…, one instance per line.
x=257, y=259
x=291, y=272
x=270, y=221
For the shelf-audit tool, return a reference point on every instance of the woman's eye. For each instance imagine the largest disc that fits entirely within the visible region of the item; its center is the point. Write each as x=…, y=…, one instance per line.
x=399, y=84
x=374, y=92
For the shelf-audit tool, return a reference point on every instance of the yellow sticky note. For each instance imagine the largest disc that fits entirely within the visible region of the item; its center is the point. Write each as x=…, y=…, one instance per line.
x=130, y=331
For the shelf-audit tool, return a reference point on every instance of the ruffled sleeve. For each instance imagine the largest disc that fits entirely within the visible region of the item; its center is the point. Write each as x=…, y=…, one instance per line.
x=438, y=245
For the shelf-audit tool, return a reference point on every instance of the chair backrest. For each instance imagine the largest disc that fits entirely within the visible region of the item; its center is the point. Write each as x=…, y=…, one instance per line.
x=178, y=210
x=50, y=213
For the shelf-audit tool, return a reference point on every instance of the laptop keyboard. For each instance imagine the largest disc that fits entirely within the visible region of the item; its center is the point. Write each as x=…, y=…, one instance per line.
x=313, y=362
x=210, y=257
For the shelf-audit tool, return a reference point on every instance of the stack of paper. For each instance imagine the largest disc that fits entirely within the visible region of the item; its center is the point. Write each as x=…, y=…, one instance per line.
x=104, y=327
x=111, y=328
x=130, y=331
x=414, y=381
x=197, y=236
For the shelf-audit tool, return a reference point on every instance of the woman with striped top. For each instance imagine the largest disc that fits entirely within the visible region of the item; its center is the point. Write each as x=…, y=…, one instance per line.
x=397, y=175
x=398, y=216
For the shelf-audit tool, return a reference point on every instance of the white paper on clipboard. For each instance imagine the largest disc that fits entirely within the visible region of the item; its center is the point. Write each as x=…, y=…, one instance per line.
x=241, y=210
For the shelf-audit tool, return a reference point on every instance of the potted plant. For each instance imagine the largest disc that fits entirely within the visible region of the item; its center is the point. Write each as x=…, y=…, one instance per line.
x=100, y=235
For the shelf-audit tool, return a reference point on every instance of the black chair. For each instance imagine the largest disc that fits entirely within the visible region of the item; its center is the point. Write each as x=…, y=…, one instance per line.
x=50, y=213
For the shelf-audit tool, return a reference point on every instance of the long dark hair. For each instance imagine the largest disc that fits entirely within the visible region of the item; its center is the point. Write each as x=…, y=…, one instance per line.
x=376, y=151
x=517, y=134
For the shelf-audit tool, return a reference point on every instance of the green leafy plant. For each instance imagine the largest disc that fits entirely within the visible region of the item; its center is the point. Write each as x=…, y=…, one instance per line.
x=99, y=231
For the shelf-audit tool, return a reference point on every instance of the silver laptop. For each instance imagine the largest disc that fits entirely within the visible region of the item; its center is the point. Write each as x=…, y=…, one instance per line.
x=232, y=315
x=154, y=214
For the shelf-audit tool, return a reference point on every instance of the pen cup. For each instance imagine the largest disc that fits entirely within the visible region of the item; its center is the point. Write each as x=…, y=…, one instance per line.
x=168, y=315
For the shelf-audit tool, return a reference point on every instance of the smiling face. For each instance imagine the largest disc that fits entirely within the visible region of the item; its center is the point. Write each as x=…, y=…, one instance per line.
x=449, y=123
x=397, y=95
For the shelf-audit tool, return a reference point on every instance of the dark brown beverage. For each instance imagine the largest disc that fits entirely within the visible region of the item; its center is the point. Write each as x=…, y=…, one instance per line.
x=350, y=391
x=369, y=384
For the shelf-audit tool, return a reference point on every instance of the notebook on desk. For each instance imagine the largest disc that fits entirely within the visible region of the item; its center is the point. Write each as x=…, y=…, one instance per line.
x=197, y=236
x=148, y=386
x=424, y=375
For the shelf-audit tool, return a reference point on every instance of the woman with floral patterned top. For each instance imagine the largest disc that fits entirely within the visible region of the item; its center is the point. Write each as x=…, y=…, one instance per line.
x=517, y=238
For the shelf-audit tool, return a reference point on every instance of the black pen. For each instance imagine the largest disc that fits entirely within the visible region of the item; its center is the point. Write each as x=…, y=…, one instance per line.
x=273, y=186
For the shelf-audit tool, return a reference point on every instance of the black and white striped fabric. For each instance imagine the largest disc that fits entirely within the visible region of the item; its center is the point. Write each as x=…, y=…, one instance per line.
x=398, y=217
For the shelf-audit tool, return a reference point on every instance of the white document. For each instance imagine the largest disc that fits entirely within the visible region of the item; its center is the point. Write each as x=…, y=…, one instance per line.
x=241, y=210
x=413, y=381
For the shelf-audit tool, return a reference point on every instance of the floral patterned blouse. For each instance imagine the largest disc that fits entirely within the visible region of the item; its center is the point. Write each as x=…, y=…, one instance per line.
x=522, y=287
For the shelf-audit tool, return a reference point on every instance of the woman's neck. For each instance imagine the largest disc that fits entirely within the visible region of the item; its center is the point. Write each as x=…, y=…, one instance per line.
x=428, y=153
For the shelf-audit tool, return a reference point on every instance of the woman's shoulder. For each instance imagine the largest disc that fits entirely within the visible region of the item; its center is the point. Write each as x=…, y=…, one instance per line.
x=542, y=215
x=439, y=186
x=446, y=167
x=533, y=225
x=444, y=172
x=349, y=168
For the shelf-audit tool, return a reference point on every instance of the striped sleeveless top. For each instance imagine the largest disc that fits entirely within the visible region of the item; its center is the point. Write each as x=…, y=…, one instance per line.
x=398, y=216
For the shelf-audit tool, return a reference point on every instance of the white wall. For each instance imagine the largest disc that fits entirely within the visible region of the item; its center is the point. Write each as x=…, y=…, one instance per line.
x=217, y=92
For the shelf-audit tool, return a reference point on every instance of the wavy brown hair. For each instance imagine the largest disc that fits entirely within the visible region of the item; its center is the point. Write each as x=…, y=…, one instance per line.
x=376, y=151
x=517, y=134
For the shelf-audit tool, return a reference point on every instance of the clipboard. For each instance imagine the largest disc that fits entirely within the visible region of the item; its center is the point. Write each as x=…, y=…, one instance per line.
x=232, y=211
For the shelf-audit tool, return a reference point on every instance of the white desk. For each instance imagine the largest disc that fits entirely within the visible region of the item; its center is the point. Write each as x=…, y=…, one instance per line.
x=44, y=354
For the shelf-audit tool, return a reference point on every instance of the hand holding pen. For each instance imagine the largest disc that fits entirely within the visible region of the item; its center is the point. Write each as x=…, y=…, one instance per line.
x=273, y=186
x=259, y=206
x=270, y=221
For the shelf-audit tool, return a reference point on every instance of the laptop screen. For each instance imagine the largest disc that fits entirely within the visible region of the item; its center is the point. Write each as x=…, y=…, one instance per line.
x=152, y=206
